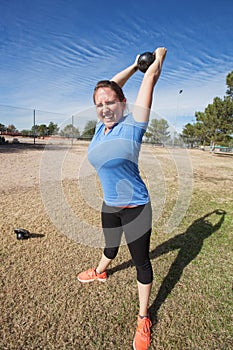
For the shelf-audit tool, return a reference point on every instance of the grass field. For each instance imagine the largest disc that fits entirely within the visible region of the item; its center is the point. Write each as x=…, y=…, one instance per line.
x=43, y=306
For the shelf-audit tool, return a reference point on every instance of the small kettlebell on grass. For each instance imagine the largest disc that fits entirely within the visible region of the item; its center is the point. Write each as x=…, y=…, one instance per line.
x=21, y=233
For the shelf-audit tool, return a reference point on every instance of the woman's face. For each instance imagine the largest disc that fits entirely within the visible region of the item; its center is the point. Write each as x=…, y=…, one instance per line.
x=109, y=108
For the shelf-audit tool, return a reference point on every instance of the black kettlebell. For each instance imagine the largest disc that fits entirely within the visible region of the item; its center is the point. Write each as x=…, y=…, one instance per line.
x=145, y=60
x=21, y=233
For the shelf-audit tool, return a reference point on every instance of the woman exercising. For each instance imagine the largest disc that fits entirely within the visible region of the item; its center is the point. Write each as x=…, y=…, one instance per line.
x=114, y=152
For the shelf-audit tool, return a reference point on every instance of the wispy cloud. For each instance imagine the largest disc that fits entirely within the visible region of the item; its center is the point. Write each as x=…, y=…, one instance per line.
x=53, y=54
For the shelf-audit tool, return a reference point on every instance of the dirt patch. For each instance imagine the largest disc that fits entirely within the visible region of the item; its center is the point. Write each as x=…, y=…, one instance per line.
x=42, y=304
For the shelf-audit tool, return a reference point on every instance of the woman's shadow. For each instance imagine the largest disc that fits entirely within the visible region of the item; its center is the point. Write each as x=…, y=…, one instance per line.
x=189, y=245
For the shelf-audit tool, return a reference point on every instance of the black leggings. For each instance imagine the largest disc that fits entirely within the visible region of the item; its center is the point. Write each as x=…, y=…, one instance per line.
x=136, y=224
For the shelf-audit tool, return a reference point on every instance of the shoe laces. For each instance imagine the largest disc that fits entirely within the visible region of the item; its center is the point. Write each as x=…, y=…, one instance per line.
x=91, y=272
x=144, y=326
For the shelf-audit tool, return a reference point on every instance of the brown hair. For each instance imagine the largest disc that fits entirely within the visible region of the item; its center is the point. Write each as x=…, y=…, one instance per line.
x=112, y=85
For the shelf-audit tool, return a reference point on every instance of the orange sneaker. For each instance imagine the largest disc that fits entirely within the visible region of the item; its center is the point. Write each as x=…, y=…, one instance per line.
x=91, y=275
x=142, y=336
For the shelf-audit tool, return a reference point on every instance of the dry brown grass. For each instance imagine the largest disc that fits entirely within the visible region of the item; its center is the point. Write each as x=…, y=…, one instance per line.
x=43, y=306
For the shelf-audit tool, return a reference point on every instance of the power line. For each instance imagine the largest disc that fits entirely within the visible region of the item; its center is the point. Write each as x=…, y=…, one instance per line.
x=32, y=109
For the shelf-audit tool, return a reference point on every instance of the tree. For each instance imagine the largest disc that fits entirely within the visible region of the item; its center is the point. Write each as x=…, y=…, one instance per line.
x=217, y=120
x=201, y=134
x=70, y=131
x=89, y=130
x=157, y=132
x=189, y=134
x=11, y=129
x=53, y=129
x=35, y=130
x=229, y=81
x=2, y=128
x=42, y=130
x=26, y=132
x=215, y=124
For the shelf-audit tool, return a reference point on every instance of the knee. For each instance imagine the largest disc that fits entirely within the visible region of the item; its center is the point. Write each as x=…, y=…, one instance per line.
x=145, y=273
x=111, y=253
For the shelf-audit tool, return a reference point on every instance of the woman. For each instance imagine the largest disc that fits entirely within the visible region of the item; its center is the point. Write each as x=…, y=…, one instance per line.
x=114, y=152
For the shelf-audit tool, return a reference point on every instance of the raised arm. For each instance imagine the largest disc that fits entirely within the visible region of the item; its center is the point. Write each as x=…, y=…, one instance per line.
x=141, y=110
x=122, y=77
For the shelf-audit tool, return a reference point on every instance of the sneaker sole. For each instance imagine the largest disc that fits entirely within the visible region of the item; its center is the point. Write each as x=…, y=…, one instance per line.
x=134, y=346
x=94, y=279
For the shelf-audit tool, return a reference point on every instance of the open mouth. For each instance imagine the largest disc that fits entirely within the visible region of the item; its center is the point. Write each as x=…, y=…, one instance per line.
x=108, y=118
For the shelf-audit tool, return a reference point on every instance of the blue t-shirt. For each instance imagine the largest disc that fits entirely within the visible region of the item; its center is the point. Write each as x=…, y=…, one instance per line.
x=115, y=158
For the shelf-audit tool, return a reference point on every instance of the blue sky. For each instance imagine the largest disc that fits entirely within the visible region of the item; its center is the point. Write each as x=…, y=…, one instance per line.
x=53, y=52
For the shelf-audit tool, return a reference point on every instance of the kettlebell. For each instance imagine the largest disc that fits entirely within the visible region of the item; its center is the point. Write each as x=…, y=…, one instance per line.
x=21, y=233
x=145, y=60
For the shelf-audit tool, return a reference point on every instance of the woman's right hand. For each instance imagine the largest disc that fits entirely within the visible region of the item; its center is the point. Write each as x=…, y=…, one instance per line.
x=160, y=52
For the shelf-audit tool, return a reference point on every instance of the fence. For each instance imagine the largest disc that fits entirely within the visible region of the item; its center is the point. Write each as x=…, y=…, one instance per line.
x=17, y=121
